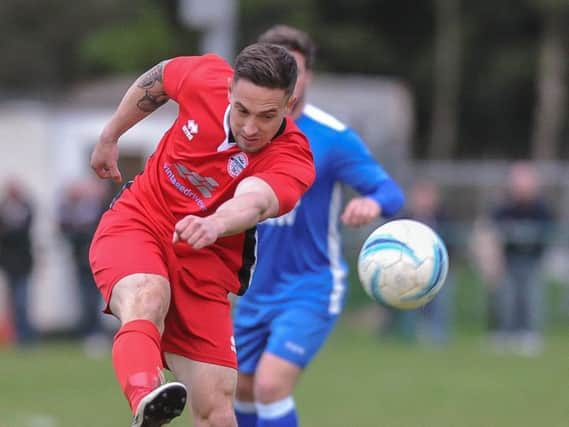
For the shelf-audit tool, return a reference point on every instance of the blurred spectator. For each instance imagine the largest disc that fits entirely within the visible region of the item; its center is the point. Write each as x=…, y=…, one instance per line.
x=431, y=323
x=510, y=252
x=79, y=214
x=16, y=215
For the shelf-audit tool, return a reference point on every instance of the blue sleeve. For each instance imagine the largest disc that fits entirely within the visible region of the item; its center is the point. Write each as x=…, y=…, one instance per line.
x=389, y=196
x=357, y=168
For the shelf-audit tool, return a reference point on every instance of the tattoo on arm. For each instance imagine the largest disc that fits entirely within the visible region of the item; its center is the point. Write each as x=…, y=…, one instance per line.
x=153, y=98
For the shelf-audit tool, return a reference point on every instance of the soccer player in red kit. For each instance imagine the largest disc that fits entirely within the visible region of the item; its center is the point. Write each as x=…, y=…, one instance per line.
x=181, y=237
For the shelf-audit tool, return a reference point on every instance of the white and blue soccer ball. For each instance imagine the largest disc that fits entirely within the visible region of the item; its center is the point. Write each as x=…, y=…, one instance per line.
x=403, y=264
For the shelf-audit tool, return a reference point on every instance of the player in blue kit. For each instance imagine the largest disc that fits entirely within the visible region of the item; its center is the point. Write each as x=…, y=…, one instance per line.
x=298, y=288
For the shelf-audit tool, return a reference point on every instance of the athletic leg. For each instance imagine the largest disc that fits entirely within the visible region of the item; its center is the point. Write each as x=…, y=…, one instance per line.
x=297, y=334
x=251, y=330
x=245, y=409
x=133, y=270
x=275, y=380
x=212, y=390
x=141, y=302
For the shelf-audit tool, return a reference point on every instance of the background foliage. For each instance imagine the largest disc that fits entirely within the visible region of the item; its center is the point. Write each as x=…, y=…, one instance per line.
x=47, y=46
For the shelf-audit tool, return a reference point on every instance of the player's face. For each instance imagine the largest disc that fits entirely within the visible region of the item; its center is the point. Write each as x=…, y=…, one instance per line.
x=302, y=81
x=256, y=113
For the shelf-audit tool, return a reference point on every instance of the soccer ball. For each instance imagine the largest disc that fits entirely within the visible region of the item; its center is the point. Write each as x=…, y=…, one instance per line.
x=403, y=264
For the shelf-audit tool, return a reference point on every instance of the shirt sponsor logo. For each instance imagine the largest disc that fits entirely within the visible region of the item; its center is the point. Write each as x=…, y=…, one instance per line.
x=190, y=129
x=205, y=184
x=236, y=164
x=182, y=188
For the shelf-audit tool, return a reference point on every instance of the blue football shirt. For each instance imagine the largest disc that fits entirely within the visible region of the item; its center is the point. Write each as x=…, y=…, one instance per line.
x=300, y=257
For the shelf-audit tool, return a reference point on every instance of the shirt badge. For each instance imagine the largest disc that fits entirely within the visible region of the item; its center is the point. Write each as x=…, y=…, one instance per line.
x=236, y=164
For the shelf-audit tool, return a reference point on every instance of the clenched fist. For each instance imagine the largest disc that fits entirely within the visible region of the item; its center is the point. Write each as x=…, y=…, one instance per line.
x=198, y=232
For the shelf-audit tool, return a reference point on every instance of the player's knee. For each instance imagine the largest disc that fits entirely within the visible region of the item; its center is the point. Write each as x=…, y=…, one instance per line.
x=217, y=413
x=149, y=300
x=151, y=303
x=267, y=390
x=223, y=418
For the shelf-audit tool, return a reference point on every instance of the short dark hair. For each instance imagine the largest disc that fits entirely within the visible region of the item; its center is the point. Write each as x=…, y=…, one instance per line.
x=266, y=65
x=293, y=39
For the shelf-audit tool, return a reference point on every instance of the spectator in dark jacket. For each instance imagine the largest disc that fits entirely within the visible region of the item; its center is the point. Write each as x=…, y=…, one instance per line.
x=16, y=259
x=79, y=214
x=518, y=231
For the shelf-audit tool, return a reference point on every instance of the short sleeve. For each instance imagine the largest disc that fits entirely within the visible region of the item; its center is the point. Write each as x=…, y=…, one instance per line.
x=289, y=170
x=185, y=72
x=177, y=73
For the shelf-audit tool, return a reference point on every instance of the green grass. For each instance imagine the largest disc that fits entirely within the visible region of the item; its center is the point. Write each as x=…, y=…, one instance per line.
x=360, y=381
x=357, y=381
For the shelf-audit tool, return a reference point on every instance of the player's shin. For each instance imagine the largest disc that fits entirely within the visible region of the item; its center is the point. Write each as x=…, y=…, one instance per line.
x=137, y=359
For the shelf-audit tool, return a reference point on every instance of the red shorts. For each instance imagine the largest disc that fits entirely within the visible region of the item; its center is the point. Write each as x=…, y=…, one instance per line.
x=198, y=324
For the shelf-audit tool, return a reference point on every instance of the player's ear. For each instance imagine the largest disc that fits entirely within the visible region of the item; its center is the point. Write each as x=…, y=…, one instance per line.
x=290, y=103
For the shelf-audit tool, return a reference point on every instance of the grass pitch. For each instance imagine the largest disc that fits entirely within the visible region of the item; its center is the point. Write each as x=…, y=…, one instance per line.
x=357, y=381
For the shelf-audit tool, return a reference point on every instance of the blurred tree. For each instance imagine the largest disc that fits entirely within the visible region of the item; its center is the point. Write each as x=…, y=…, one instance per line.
x=489, y=77
x=45, y=45
x=376, y=36
x=150, y=35
x=359, y=37
x=40, y=40
x=257, y=16
x=498, y=91
x=552, y=80
x=447, y=73
x=471, y=65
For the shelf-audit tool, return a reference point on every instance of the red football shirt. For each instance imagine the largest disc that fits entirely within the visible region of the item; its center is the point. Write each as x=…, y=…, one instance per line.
x=195, y=168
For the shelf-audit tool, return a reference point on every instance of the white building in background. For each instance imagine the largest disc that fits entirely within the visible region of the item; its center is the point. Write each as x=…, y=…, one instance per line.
x=47, y=145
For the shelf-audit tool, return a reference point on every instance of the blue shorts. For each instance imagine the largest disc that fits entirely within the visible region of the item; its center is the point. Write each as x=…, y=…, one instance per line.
x=294, y=334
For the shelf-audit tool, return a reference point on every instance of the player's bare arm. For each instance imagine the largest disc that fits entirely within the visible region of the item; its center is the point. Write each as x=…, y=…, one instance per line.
x=254, y=201
x=143, y=97
x=104, y=161
x=361, y=211
x=152, y=85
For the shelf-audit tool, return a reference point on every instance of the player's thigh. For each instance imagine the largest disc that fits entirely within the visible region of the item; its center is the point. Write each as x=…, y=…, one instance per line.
x=251, y=336
x=298, y=334
x=198, y=324
x=123, y=246
x=212, y=387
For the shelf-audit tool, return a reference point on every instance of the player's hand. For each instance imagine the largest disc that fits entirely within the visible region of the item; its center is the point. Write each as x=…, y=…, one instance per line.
x=104, y=160
x=360, y=211
x=198, y=232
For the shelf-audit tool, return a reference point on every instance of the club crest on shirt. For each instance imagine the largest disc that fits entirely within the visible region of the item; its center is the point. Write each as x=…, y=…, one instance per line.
x=236, y=164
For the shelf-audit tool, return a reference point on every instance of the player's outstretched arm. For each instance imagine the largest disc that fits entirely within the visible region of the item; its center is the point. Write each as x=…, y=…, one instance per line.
x=386, y=201
x=143, y=97
x=361, y=211
x=254, y=201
